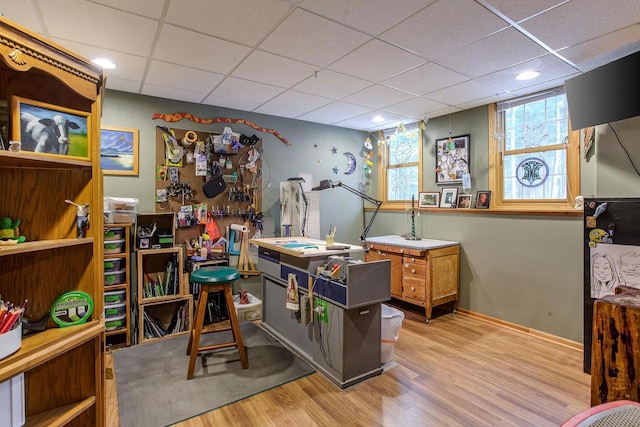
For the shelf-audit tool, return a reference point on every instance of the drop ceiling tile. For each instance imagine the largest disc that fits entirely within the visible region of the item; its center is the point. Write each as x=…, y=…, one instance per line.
x=149, y=8
x=498, y=51
x=292, y=104
x=376, y=61
x=518, y=10
x=245, y=22
x=180, y=77
x=334, y=112
x=171, y=93
x=93, y=25
x=445, y=26
x=377, y=97
x=363, y=122
x=241, y=94
x=602, y=50
x=331, y=84
x=463, y=92
x=368, y=16
x=180, y=46
x=272, y=69
x=415, y=107
x=128, y=67
x=550, y=67
x=123, y=85
x=310, y=38
x=23, y=13
x=581, y=20
x=538, y=87
x=425, y=78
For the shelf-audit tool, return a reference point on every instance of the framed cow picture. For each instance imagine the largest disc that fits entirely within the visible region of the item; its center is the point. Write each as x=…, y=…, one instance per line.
x=49, y=129
x=118, y=150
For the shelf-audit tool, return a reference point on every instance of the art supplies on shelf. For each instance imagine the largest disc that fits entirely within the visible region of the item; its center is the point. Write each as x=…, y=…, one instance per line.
x=10, y=315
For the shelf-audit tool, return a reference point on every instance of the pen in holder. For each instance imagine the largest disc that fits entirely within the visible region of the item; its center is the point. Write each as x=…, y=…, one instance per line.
x=330, y=241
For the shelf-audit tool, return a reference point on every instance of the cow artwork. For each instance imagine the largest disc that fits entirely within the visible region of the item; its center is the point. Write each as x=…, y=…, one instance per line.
x=49, y=131
x=48, y=135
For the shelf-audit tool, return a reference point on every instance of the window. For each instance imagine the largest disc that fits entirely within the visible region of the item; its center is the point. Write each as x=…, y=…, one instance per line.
x=534, y=157
x=400, y=165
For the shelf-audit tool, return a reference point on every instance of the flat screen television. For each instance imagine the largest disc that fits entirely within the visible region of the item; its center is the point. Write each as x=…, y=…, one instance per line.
x=605, y=94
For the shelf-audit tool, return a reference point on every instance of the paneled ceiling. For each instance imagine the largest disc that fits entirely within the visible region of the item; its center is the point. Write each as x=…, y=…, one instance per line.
x=338, y=62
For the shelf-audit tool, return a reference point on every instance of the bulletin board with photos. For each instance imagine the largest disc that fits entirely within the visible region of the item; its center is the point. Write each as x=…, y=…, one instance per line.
x=231, y=165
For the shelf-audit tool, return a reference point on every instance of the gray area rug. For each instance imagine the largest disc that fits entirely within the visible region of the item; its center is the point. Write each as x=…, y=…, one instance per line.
x=153, y=389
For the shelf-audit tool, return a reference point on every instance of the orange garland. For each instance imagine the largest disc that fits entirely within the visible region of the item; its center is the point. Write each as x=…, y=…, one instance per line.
x=179, y=116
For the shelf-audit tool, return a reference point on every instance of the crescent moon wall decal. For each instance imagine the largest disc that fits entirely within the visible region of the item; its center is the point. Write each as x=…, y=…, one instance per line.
x=351, y=163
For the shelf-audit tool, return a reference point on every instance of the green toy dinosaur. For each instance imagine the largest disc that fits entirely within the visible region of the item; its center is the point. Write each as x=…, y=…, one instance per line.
x=9, y=233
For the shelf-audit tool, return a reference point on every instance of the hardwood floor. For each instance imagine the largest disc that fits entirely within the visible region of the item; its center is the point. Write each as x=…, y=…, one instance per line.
x=454, y=371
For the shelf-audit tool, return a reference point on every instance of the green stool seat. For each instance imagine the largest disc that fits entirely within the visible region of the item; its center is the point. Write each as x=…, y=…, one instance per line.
x=218, y=274
x=214, y=279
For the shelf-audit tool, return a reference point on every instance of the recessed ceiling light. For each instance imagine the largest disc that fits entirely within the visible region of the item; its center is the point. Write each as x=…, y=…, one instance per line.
x=528, y=75
x=104, y=63
x=377, y=119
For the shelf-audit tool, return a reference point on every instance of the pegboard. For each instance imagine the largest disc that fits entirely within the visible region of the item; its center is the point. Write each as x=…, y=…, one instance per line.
x=230, y=206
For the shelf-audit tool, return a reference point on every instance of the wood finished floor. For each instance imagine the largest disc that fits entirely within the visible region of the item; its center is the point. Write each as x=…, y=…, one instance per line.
x=454, y=371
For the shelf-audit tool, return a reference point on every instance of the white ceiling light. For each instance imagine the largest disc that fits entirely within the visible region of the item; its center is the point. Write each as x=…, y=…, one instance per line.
x=377, y=119
x=528, y=75
x=104, y=63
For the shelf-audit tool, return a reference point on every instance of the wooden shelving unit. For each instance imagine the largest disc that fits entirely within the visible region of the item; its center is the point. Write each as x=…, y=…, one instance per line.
x=124, y=260
x=64, y=375
x=169, y=299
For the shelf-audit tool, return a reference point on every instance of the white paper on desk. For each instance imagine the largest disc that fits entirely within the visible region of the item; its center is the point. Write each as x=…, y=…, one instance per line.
x=293, y=301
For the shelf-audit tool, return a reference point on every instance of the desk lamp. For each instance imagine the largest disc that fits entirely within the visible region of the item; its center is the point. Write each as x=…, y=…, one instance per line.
x=327, y=184
x=300, y=180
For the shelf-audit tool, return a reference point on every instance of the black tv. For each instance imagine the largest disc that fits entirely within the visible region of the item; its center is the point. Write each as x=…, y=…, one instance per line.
x=605, y=94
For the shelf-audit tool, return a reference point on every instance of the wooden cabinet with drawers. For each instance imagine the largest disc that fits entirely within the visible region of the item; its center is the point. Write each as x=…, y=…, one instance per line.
x=424, y=273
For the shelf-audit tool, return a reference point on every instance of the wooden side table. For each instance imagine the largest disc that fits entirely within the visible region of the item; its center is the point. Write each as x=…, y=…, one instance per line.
x=615, y=365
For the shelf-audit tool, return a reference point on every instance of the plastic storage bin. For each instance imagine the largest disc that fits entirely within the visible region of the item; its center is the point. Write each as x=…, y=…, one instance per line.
x=115, y=297
x=114, y=234
x=113, y=246
x=124, y=217
x=390, y=330
x=114, y=277
x=115, y=323
x=247, y=312
x=12, y=402
x=114, y=264
x=114, y=310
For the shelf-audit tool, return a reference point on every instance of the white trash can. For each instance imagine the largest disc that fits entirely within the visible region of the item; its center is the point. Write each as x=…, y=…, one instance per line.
x=391, y=323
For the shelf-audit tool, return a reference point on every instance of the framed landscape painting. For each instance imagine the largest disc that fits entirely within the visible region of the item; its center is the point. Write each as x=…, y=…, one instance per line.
x=119, y=150
x=429, y=199
x=49, y=129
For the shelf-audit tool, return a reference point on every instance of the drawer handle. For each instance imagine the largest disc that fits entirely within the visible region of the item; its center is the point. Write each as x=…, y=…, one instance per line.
x=406, y=265
x=413, y=260
x=413, y=288
x=413, y=270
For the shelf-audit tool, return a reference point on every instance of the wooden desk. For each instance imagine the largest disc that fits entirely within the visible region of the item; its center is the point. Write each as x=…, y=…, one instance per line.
x=423, y=272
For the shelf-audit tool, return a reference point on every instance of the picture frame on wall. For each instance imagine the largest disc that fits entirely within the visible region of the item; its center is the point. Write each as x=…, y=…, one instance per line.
x=483, y=199
x=49, y=129
x=448, y=197
x=452, y=159
x=429, y=199
x=119, y=150
x=464, y=201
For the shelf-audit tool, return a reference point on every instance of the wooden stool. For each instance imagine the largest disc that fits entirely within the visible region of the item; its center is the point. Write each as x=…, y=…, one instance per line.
x=214, y=279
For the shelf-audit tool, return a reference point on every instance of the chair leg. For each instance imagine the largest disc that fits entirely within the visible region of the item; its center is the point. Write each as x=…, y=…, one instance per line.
x=235, y=327
x=194, y=339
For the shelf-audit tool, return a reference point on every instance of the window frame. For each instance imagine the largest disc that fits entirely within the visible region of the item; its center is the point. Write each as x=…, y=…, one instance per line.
x=572, y=149
x=383, y=167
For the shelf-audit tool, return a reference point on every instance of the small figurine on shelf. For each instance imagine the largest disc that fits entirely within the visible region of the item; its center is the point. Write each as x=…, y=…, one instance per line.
x=82, y=217
x=9, y=232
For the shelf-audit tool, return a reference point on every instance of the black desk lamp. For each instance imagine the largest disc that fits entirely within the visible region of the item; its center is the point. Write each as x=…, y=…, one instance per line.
x=328, y=184
x=300, y=180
